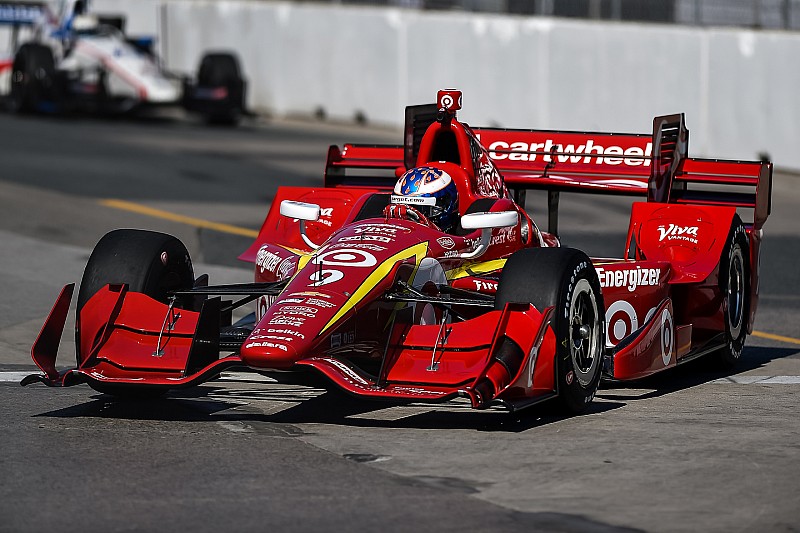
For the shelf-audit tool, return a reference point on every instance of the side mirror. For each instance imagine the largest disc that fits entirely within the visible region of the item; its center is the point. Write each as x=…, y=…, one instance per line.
x=486, y=222
x=303, y=212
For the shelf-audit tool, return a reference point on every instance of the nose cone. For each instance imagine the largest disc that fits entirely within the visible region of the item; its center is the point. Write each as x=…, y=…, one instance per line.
x=268, y=351
x=290, y=330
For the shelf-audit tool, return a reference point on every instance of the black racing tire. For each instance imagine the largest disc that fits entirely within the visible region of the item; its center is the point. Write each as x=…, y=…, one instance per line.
x=564, y=278
x=149, y=262
x=218, y=68
x=734, y=285
x=221, y=69
x=33, y=76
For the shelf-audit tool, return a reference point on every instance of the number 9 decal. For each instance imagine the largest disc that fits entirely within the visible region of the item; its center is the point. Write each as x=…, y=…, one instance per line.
x=344, y=257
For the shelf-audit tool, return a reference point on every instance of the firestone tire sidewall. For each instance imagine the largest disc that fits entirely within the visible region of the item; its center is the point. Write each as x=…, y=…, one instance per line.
x=548, y=277
x=734, y=264
x=577, y=393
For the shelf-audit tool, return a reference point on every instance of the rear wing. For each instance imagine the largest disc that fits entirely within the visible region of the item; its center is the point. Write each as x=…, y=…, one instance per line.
x=357, y=165
x=654, y=166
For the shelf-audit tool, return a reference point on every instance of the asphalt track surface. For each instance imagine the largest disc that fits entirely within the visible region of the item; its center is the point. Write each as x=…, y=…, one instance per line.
x=693, y=449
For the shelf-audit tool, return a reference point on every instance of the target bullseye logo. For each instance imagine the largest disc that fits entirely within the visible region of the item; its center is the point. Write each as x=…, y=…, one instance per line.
x=349, y=257
x=622, y=321
x=449, y=99
x=667, y=336
x=344, y=257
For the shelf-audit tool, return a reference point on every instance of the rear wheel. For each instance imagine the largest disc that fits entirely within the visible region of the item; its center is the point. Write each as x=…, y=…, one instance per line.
x=32, y=78
x=149, y=262
x=566, y=279
x=734, y=284
x=221, y=69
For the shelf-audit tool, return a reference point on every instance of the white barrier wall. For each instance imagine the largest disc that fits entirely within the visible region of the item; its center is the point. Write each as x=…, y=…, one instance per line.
x=737, y=87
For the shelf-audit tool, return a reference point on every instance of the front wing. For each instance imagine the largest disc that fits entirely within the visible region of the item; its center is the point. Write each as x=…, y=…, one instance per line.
x=128, y=341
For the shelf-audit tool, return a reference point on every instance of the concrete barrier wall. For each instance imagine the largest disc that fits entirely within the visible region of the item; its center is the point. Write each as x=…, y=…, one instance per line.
x=737, y=87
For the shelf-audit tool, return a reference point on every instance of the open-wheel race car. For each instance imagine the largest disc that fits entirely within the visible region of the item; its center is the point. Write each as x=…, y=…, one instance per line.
x=69, y=59
x=415, y=275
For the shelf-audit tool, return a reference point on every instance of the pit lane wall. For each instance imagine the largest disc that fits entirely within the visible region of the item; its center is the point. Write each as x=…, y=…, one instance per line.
x=737, y=87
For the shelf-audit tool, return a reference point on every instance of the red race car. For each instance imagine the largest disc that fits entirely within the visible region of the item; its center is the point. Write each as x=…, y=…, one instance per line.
x=415, y=274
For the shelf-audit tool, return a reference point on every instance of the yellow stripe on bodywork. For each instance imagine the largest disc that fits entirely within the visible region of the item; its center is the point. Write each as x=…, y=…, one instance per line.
x=303, y=261
x=418, y=252
x=472, y=269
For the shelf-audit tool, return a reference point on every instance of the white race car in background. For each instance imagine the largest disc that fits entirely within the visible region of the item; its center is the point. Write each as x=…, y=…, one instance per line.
x=74, y=60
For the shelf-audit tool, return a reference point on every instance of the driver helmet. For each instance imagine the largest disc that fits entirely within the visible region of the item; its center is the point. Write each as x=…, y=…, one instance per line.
x=430, y=191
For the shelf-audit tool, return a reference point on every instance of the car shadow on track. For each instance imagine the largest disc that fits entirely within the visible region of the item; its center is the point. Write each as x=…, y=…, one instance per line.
x=217, y=404
x=288, y=406
x=691, y=374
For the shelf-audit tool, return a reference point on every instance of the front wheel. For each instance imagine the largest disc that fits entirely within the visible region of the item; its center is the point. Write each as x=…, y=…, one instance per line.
x=565, y=279
x=148, y=262
x=221, y=70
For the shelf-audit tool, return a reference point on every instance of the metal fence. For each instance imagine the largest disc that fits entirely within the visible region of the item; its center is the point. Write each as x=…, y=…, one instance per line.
x=767, y=14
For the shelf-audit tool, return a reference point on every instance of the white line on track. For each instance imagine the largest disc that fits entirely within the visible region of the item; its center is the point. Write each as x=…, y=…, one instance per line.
x=242, y=377
x=759, y=380
x=11, y=377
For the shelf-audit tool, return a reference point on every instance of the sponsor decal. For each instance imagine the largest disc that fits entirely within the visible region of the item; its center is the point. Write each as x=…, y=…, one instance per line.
x=419, y=392
x=284, y=320
x=342, y=257
x=667, y=336
x=449, y=100
x=273, y=337
x=266, y=260
x=286, y=268
x=586, y=153
x=678, y=233
x=326, y=212
x=365, y=237
x=390, y=229
x=481, y=285
x=267, y=344
x=446, y=242
x=505, y=235
x=286, y=332
x=320, y=303
x=298, y=310
x=628, y=277
x=451, y=253
x=346, y=370
x=363, y=246
x=487, y=178
x=310, y=293
x=620, y=327
x=349, y=257
x=291, y=301
x=413, y=200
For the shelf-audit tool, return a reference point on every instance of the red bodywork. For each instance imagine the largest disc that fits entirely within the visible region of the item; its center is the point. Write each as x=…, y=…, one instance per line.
x=335, y=314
